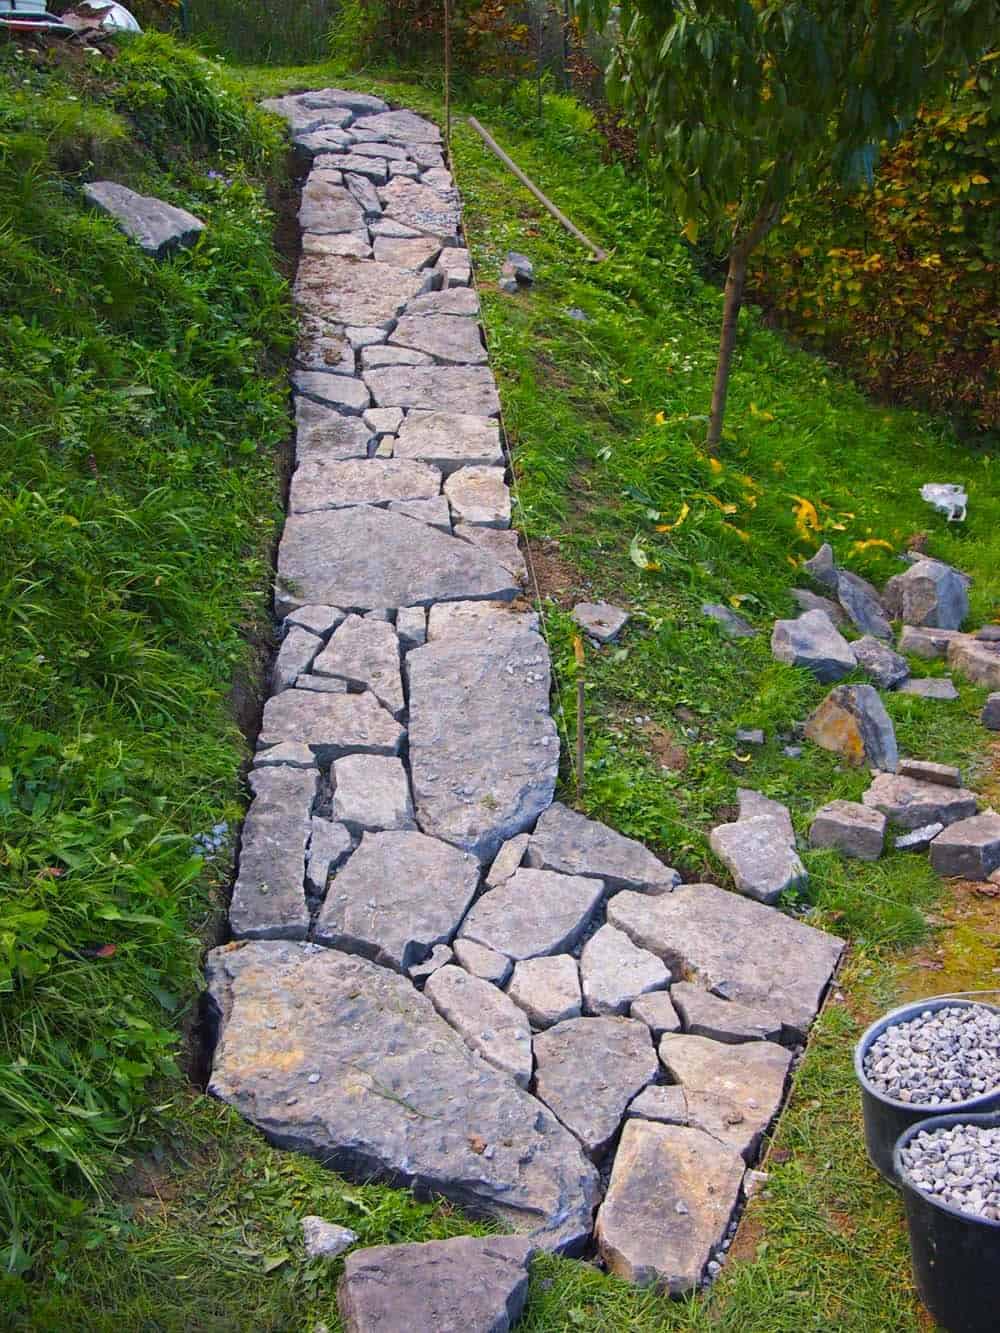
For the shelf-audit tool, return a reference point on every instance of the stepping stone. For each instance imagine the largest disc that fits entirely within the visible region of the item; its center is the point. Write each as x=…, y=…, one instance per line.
x=482, y=962
x=322, y=431
x=923, y=770
x=484, y=752
x=733, y=1094
x=297, y=756
x=340, y=392
x=534, y=912
x=910, y=803
x=717, y=938
x=657, y=1011
x=486, y=1019
x=371, y=793
x=849, y=828
x=547, y=989
x=569, y=842
x=440, y=956
x=463, y=1285
x=157, y=227
x=411, y=627
x=970, y=848
x=433, y=510
x=753, y=803
x=507, y=860
x=937, y=687
x=924, y=642
x=455, y=302
x=478, y=620
x=373, y=358
x=331, y=725
x=501, y=543
x=328, y=207
x=454, y=257
x=445, y=337
x=758, y=855
x=321, y=620
x=614, y=972
x=269, y=895
x=298, y=648
x=877, y=660
x=862, y=603
x=324, y=1240
x=320, y=483
x=705, y=1015
x=976, y=661
x=852, y=722
x=330, y=844
x=811, y=601
x=401, y=126
x=479, y=495
x=929, y=593
x=422, y=208
x=354, y=291
x=919, y=840
x=439, y=179
x=990, y=716
x=365, y=654
x=346, y=1061
x=353, y=244
x=323, y=347
x=587, y=1072
x=664, y=1104
x=380, y=904
x=364, y=558
x=600, y=620
x=386, y=227
x=642, y=1234
x=732, y=625
x=813, y=642
x=449, y=440
x=448, y=388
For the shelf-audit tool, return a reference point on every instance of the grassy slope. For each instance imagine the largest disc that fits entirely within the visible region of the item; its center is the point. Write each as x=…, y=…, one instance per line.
x=205, y=1235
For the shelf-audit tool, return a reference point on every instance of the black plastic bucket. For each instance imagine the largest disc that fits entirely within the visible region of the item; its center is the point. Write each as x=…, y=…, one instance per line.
x=886, y=1118
x=956, y=1258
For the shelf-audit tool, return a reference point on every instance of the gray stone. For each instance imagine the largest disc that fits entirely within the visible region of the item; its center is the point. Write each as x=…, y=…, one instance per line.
x=157, y=227
x=487, y=1020
x=387, y=227
x=507, y=860
x=484, y=751
x=372, y=169
x=732, y=1094
x=910, y=803
x=478, y=620
x=323, y=347
x=269, y=896
x=714, y=937
x=302, y=118
x=811, y=601
x=976, y=661
x=886, y=668
x=379, y=904
x=509, y=284
x=420, y=207
x=319, y=143
x=354, y=291
x=569, y=842
x=341, y=392
x=849, y=828
x=321, y=684
x=333, y=1056
x=450, y=440
x=988, y=634
x=373, y=358
x=455, y=302
x=919, y=840
x=929, y=593
x=433, y=511
x=454, y=257
x=365, y=653
x=401, y=126
x=653, y=1245
x=501, y=543
x=614, y=972
x=664, y=1104
x=463, y=1285
x=330, y=724
x=753, y=803
x=297, y=756
x=547, y=989
x=390, y=151
x=861, y=602
x=600, y=620
x=534, y=912
x=813, y=642
x=323, y=432
x=352, y=244
x=298, y=648
x=990, y=716
x=969, y=848
x=360, y=104
x=728, y=1021
x=321, y=483
x=657, y=1011
x=438, y=178
x=321, y=620
x=324, y=1240
x=483, y=962
x=330, y=844
x=437, y=388
x=931, y=687
x=945, y=775
x=407, y=252
x=329, y=207
x=371, y=792
x=852, y=722
x=822, y=567
x=923, y=642
x=383, y=420
x=520, y=267
x=363, y=189
x=479, y=495
x=440, y=956
x=750, y=736
x=365, y=558
x=445, y=337
x=384, y=448
x=411, y=627
x=732, y=625
x=758, y=855
x=616, y=1057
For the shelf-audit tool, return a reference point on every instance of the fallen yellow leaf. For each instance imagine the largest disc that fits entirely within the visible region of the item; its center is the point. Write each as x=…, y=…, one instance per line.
x=690, y=231
x=755, y=411
x=714, y=499
x=806, y=518
x=669, y=527
x=743, y=536
x=715, y=465
x=661, y=418
x=872, y=541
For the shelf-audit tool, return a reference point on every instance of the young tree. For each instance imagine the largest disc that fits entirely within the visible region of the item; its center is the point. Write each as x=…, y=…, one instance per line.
x=739, y=103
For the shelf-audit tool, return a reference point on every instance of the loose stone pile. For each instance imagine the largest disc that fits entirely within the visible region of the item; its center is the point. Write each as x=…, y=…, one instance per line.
x=959, y=1166
x=440, y=977
x=943, y=1055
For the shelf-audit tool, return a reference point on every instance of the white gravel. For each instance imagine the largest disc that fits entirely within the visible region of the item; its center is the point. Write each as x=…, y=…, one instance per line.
x=940, y=1057
x=959, y=1166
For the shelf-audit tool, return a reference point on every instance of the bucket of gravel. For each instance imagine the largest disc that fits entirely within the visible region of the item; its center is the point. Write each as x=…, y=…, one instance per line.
x=948, y=1168
x=927, y=1058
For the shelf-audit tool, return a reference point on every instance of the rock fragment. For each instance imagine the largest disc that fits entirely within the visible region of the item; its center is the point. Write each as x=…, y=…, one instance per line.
x=886, y=668
x=483, y=962
x=930, y=687
x=656, y=1010
x=534, y=912
x=330, y=724
x=969, y=848
x=852, y=722
x=758, y=855
x=813, y=642
x=811, y=601
x=732, y=625
x=976, y=661
x=600, y=620
x=448, y=338
x=479, y=496
x=666, y=1104
x=324, y=1240
x=823, y=568
x=990, y=716
x=923, y=770
x=752, y=803
x=451, y=389
x=322, y=431
x=919, y=840
x=569, y=842
x=320, y=483
x=614, y=972
x=507, y=860
x=440, y=956
x=924, y=642
x=849, y=828
x=486, y=1019
x=862, y=603
x=269, y=895
x=371, y=792
x=501, y=543
x=354, y=291
x=910, y=803
x=450, y=440
x=330, y=844
x=157, y=227
x=547, y=989
x=929, y=593
x=295, y=656
x=365, y=654
x=705, y=1015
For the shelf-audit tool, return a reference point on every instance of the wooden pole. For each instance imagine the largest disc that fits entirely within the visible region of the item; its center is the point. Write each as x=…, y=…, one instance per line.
x=581, y=685
x=447, y=76
x=559, y=216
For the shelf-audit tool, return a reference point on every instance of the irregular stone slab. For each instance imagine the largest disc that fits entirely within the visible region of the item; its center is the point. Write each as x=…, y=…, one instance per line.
x=479, y=496
x=322, y=346
x=919, y=840
x=911, y=803
x=811, y=601
x=569, y=842
x=990, y=716
x=449, y=620
x=849, y=828
x=269, y=896
x=813, y=642
x=852, y=722
x=501, y=543
x=988, y=634
x=450, y=440
x=354, y=291
x=390, y=151
x=387, y=227
x=969, y=848
x=411, y=627
x=298, y=756
x=422, y=208
x=657, y=1011
x=486, y=1019
x=547, y=989
x=927, y=687
x=317, y=143
x=384, y=420
x=433, y=511
x=341, y=392
x=448, y=388
x=321, y=431
x=752, y=803
x=331, y=1055
x=455, y=302
x=923, y=770
x=445, y=337
x=157, y=227
x=484, y=751
x=534, y=912
x=923, y=642
x=303, y=118
x=886, y=668
x=365, y=653
x=454, y=257
x=665, y=1104
x=463, y=1285
x=330, y=724
x=614, y=972
x=321, y=684
x=507, y=860
x=330, y=844
x=732, y=625
x=298, y=648
x=929, y=593
x=642, y=1233
x=705, y=1015
x=482, y=962
x=731, y=1094
x=439, y=179
x=370, y=793
x=324, y=1240
x=714, y=937
x=379, y=905
x=618, y=1057
x=401, y=126
x=366, y=558
x=977, y=661
x=758, y=855
x=321, y=620
x=328, y=207
x=372, y=170
x=440, y=956
x=861, y=602
x=361, y=104
x=374, y=357
x=822, y=566
x=600, y=620
x=413, y=252
x=322, y=483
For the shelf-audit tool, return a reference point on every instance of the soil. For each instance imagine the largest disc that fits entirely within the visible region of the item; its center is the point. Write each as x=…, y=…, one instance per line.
x=556, y=577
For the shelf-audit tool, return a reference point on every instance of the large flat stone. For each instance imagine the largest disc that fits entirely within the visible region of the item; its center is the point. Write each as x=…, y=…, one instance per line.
x=269, y=899
x=400, y=126
x=476, y=620
x=911, y=803
x=445, y=337
x=484, y=751
x=534, y=912
x=487, y=1019
x=330, y=724
x=614, y=972
x=852, y=722
x=336, y=1057
x=320, y=483
x=587, y=1072
x=449, y=440
x=456, y=301
x=354, y=291
x=371, y=793
x=706, y=1015
x=813, y=641
x=341, y=392
x=424, y=209
x=434, y=511
x=328, y=207
x=157, y=227
x=398, y=896
x=752, y=803
x=365, y=558
x=359, y=104
x=758, y=855
x=976, y=661
x=569, y=842
x=323, y=432
x=468, y=389
x=717, y=938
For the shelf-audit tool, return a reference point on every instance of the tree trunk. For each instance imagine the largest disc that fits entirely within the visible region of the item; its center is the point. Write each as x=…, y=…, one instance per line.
x=735, y=278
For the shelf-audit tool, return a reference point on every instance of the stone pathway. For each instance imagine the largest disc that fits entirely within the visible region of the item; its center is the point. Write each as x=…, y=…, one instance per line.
x=439, y=977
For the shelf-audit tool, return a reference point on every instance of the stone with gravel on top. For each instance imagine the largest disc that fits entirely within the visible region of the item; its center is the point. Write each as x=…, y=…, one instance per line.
x=330, y=724
x=614, y=972
x=483, y=962
x=849, y=828
x=930, y=687
x=812, y=641
x=758, y=855
x=534, y=912
x=479, y=495
x=569, y=842
x=928, y=593
x=156, y=226
x=547, y=989
x=458, y=620
x=969, y=848
x=656, y=1010
x=371, y=792
x=323, y=347
x=924, y=770
x=600, y=620
x=877, y=660
x=852, y=722
x=976, y=661
x=365, y=653
x=486, y=1019
x=706, y=1015
x=298, y=648
x=330, y=844
x=422, y=208
x=910, y=803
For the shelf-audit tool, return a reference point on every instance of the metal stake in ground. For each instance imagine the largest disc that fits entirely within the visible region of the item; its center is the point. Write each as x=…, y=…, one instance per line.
x=581, y=684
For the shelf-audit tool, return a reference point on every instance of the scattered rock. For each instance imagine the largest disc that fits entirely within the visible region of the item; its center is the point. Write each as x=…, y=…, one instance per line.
x=370, y=793
x=479, y=495
x=977, y=661
x=923, y=642
x=823, y=568
x=753, y=803
x=812, y=642
x=569, y=842
x=811, y=601
x=851, y=829
x=928, y=687
x=911, y=804
x=929, y=593
x=158, y=228
x=547, y=989
x=600, y=620
x=365, y=653
x=862, y=603
x=945, y=775
x=657, y=1011
x=330, y=844
x=664, y=1104
x=886, y=668
x=759, y=857
x=269, y=895
x=969, y=848
x=507, y=860
x=483, y=962
x=732, y=625
x=534, y=912
x=298, y=648
x=486, y=1019
x=728, y=1021
x=614, y=972
x=330, y=724
x=919, y=840
x=852, y=722
x=990, y=716
x=520, y=267
x=440, y=956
